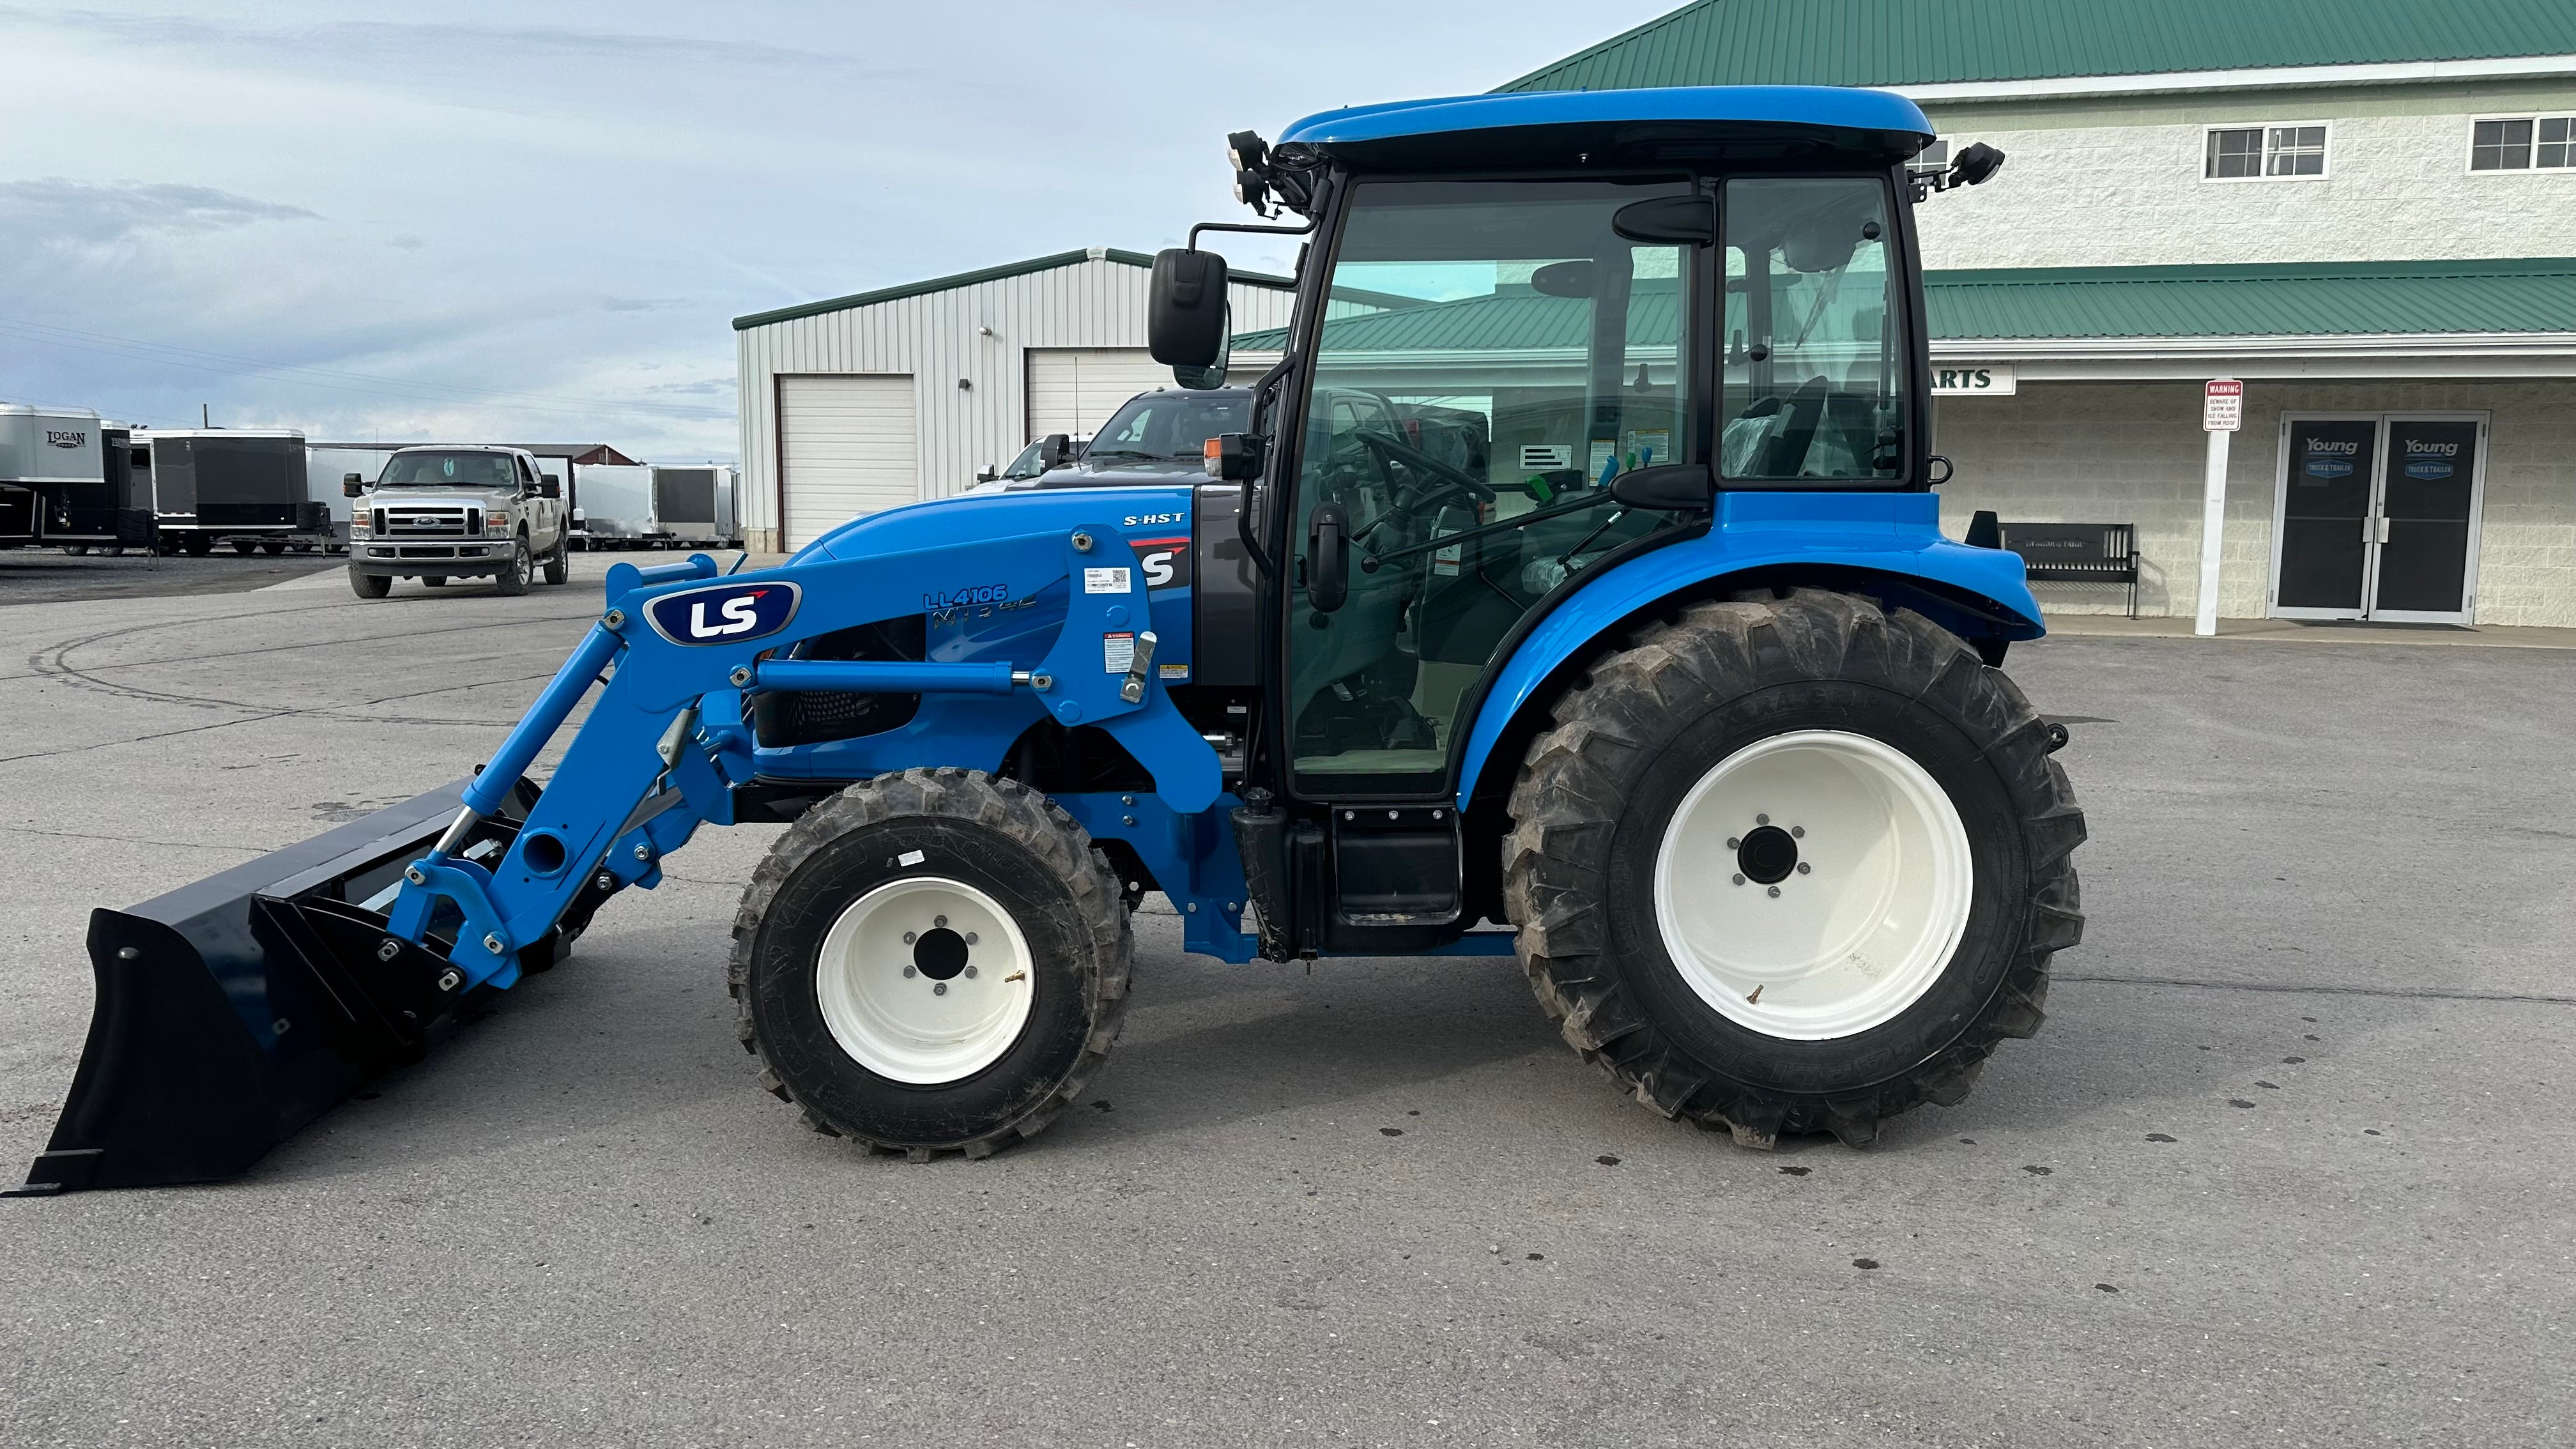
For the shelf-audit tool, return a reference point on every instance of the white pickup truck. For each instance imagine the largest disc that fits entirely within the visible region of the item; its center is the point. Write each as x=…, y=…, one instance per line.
x=442, y=513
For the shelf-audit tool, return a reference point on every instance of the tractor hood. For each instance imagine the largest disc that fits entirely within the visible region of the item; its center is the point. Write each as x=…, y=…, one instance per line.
x=1137, y=514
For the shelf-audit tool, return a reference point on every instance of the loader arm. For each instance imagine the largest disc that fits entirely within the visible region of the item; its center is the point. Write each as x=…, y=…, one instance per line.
x=651, y=761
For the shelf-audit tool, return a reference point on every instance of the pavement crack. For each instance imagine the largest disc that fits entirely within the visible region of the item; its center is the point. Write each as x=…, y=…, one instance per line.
x=2417, y=993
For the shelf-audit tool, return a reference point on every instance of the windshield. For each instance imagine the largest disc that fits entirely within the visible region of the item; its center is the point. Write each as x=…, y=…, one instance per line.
x=1169, y=427
x=430, y=470
x=1030, y=463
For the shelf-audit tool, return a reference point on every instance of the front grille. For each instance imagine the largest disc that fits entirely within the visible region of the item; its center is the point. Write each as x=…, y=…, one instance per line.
x=417, y=522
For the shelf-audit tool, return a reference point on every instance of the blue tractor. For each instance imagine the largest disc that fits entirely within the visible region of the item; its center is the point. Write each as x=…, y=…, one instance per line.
x=1575, y=593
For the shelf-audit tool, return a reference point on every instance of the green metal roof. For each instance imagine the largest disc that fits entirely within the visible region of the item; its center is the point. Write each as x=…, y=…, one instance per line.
x=1928, y=42
x=986, y=274
x=2285, y=299
x=2271, y=299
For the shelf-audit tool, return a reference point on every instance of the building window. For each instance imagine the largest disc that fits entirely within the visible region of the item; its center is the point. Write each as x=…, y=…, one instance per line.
x=2523, y=143
x=2245, y=153
x=1935, y=157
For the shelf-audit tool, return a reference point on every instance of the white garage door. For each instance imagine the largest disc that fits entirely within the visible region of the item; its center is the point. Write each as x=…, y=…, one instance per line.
x=847, y=445
x=1073, y=390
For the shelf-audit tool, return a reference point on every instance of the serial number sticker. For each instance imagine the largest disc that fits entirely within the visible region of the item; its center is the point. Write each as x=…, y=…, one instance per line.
x=910, y=857
x=1176, y=671
x=1117, y=651
x=1106, y=581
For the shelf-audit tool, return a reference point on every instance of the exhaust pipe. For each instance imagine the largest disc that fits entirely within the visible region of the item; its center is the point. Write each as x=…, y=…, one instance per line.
x=233, y=1011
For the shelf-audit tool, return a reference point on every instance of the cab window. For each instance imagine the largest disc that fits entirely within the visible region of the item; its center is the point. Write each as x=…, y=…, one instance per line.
x=1495, y=354
x=1812, y=378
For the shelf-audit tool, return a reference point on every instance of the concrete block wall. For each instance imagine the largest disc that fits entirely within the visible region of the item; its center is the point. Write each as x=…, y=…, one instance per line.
x=2134, y=452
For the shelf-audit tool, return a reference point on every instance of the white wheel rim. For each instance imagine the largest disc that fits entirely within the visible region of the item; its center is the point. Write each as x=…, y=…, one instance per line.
x=925, y=1028
x=1852, y=939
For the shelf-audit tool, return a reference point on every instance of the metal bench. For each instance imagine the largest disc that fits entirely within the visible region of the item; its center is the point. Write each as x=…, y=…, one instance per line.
x=2078, y=553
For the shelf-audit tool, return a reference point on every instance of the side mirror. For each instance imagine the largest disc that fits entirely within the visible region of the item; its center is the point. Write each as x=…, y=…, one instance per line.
x=1974, y=165
x=987, y=473
x=352, y=486
x=1055, y=450
x=552, y=487
x=1328, y=557
x=1185, y=308
x=1666, y=487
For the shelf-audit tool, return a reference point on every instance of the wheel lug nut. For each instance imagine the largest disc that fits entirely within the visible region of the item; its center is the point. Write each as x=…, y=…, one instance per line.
x=939, y=922
x=970, y=938
x=1739, y=880
x=910, y=971
x=1803, y=867
x=939, y=988
x=907, y=938
x=1797, y=832
x=1734, y=843
x=1775, y=893
x=1761, y=819
x=970, y=971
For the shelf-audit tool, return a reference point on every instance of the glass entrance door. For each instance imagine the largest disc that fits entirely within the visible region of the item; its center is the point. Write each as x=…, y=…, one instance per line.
x=2378, y=517
x=2428, y=512
x=2323, y=568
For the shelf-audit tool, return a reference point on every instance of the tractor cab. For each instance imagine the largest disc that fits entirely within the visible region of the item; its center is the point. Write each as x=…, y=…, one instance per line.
x=1537, y=336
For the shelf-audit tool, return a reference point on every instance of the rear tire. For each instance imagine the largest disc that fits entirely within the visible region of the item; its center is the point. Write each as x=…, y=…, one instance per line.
x=369, y=586
x=1900, y=934
x=512, y=581
x=272, y=549
x=198, y=545
x=559, y=562
x=244, y=547
x=833, y=973
x=75, y=549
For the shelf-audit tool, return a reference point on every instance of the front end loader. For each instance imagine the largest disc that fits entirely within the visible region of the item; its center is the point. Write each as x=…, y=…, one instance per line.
x=1577, y=594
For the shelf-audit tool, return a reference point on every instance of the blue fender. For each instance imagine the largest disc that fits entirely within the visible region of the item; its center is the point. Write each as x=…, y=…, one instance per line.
x=1895, y=534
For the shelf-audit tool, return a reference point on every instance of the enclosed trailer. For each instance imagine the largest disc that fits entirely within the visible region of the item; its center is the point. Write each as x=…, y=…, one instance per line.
x=245, y=486
x=326, y=466
x=655, y=505
x=62, y=480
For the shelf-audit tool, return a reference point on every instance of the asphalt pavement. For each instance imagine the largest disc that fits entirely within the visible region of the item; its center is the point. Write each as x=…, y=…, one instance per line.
x=2288, y=1165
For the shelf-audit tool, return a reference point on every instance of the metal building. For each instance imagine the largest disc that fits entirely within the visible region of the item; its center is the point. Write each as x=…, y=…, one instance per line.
x=887, y=397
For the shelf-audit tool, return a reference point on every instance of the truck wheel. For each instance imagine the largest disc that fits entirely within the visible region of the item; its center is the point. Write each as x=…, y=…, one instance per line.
x=931, y=961
x=513, y=578
x=198, y=545
x=559, y=563
x=244, y=546
x=1792, y=865
x=272, y=548
x=369, y=586
x=75, y=550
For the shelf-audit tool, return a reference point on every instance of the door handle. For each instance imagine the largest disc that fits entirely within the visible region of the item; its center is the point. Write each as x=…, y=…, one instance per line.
x=2383, y=528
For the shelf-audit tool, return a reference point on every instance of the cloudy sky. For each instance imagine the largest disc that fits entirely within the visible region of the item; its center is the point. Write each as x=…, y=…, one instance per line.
x=537, y=219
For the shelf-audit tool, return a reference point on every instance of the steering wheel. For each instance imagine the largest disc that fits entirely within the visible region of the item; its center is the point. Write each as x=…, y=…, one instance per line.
x=1458, y=479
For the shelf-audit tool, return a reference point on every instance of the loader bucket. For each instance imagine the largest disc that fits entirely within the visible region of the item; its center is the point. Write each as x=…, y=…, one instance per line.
x=233, y=1011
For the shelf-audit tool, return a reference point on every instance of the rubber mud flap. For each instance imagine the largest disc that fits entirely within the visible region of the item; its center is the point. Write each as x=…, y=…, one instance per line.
x=232, y=1011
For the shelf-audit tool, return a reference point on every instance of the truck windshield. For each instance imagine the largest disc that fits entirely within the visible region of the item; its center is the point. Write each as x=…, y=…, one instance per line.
x=1169, y=426
x=430, y=470
x=1813, y=376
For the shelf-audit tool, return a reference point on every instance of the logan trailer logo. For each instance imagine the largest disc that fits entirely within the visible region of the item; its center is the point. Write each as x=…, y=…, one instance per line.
x=724, y=614
x=66, y=440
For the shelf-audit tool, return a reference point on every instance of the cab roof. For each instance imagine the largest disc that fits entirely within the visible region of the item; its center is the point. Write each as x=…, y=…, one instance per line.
x=1673, y=123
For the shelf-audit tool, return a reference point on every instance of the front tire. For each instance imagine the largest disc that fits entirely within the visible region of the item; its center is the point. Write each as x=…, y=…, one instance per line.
x=1793, y=865
x=512, y=581
x=931, y=961
x=369, y=586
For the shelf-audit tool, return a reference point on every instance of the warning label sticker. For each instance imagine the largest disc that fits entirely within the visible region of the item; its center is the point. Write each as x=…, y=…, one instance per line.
x=1117, y=651
x=1176, y=671
x=1106, y=581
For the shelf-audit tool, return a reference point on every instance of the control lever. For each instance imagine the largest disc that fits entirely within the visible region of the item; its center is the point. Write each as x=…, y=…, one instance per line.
x=1139, y=666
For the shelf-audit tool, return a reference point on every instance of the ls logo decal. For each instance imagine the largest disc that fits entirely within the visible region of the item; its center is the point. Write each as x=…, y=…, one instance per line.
x=725, y=613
